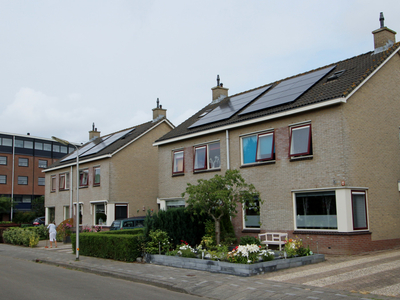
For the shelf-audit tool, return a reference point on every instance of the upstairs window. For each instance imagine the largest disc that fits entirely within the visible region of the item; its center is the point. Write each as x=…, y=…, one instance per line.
x=3, y=160
x=207, y=157
x=53, y=183
x=96, y=171
x=23, y=162
x=257, y=148
x=42, y=163
x=300, y=141
x=177, y=167
x=22, y=180
x=64, y=181
x=83, y=177
x=41, y=181
x=3, y=179
x=6, y=142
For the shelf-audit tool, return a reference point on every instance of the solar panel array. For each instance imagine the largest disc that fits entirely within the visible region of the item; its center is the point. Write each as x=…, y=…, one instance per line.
x=95, y=147
x=228, y=108
x=287, y=91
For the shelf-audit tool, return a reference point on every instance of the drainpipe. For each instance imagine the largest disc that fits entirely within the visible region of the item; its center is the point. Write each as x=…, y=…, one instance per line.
x=227, y=151
x=12, y=179
x=70, y=193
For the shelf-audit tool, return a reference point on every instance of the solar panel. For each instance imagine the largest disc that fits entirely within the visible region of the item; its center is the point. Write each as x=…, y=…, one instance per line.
x=287, y=91
x=228, y=108
x=100, y=146
x=81, y=150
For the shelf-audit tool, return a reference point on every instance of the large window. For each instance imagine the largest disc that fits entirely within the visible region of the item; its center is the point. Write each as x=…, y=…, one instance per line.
x=64, y=181
x=53, y=183
x=207, y=157
x=83, y=177
x=252, y=215
x=359, y=206
x=3, y=179
x=23, y=144
x=42, y=163
x=177, y=167
x=121, y=211
x=3, y=160
x=316, y=210
x=300, y=141
x=23, y=180
x=6, y=142
x=96, y=171
x=257, y=148
x=23, y=162
x=100, y=217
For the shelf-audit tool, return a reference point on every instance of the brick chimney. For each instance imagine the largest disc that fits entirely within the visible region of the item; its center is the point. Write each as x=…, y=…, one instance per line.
x=159, y=112
x=383, y=37
x=219, y=92
x=93, y=133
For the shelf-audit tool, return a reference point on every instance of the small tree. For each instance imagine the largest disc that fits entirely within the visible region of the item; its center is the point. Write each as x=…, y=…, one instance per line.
x=5, y=205
x=220, y=195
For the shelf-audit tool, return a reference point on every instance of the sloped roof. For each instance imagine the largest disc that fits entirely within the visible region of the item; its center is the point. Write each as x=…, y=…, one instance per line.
x=132, y=134
x=357, y=68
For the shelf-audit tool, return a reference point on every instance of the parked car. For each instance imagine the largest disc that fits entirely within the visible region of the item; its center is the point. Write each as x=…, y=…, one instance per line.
x=38, y=221
x=129, y=223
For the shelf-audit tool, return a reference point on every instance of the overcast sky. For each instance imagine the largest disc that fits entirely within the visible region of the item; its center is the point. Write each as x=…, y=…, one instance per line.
x=67, y=64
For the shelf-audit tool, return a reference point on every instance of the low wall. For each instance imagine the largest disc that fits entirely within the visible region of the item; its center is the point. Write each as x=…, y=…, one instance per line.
x=233, y=268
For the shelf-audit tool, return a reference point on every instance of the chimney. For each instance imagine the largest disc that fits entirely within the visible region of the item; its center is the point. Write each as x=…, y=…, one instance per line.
x=383, y=37
x=93, y=133
x=219, y=92
x=159, y=112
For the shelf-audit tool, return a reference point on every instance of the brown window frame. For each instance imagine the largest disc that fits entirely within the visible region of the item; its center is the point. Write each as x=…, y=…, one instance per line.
x=81, y=172
x=65, y=186
x=175, y=164
x=309, y=142
x=53, y=183
x=272, y=156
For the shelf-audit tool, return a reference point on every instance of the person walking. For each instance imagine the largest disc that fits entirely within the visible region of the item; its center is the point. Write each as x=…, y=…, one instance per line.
x=52, y=233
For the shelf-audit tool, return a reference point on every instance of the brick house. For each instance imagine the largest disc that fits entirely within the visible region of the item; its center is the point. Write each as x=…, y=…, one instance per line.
x=118, y=175
x=22, y=159
x=322, y=148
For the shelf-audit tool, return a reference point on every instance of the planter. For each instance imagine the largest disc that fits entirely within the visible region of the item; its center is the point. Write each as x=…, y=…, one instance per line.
x=232, y=268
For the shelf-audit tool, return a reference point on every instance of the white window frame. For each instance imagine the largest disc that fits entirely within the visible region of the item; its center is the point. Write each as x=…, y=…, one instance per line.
x=176, y=157
x=94, y=176
x=84, y=178
x=63, y=181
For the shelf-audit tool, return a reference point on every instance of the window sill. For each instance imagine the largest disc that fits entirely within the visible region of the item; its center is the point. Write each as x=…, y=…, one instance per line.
x=63, y=190
x=306, y=157
x=206, y=171
x=178, y=174
x=316, y=232
x=95, y=185
x=83, y=187
x=269, y=162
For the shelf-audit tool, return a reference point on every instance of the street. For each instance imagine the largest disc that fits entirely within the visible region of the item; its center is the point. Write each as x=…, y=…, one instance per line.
x=21, y=279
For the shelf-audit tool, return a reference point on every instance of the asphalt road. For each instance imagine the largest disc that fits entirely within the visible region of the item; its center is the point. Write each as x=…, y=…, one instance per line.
x=21, y=279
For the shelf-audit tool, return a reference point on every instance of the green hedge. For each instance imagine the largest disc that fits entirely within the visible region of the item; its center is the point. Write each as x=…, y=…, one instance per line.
x=21, y=236
x=124, y=247
x=124, y=231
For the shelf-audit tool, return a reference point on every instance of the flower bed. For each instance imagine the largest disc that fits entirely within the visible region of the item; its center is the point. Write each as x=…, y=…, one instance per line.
x=233, y=268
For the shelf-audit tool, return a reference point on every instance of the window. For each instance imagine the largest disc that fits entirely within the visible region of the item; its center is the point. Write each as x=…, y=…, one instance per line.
x=38, y=146
x=3, y=179
x=26, y=199
x=359, y=207
x=121, y=211
x=96, y=172
x=41, y=181
x=175, y=203
x=316, y=210
x=23, y=144
x=252, y=215
x=178, y=162
x=19, y=143
x=64, y=181
x=46, y=147
x=23, y=180
x=6, y=142
x=300, y=141
x=207, y=157
x=100, y=217
x=23, y=162
x=28, y=144
x=53, y=183
x=3, y=160
x=56, y=148
x=51, y=214
x=258, y=147
x=83, y=177
x=42, y=163
x=64, y=149
x=66, y=212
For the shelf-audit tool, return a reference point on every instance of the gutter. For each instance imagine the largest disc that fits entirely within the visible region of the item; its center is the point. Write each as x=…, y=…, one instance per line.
x=74, y=163
x=256, y=120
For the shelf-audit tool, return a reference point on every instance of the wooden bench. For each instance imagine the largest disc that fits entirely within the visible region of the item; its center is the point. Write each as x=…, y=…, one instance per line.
x=273, y=238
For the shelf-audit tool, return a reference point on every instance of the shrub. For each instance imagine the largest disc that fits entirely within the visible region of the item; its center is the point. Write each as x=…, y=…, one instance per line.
x=249, y=240
x=159, y=241
x=124, y=231
x=41, y=231
x=21, y=236
x=26, y=217
x=295, y=247
x=248, y=254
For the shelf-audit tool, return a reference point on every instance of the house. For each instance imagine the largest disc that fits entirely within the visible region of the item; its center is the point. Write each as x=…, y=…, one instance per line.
x=321, y=147
x=22, y=159
x=118, y=175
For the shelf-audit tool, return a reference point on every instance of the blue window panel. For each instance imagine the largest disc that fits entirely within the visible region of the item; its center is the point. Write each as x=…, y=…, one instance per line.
x=249, y=145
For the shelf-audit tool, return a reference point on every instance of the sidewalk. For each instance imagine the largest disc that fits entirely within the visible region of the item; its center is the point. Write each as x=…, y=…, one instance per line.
x=334, y=279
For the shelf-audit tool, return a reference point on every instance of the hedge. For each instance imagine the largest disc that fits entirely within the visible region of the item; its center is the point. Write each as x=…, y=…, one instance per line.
x=123, y=231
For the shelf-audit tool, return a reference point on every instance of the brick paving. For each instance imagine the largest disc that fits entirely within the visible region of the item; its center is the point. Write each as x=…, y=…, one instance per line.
x=370, y=276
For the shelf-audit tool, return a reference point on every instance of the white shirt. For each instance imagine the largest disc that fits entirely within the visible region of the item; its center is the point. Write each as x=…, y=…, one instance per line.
x=52, y=228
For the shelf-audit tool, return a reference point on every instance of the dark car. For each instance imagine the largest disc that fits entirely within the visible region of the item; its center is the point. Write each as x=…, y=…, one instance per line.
x=38, y=221
x=129, y=223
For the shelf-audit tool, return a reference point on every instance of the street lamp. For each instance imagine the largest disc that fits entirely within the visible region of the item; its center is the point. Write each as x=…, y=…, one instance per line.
x=64, y=142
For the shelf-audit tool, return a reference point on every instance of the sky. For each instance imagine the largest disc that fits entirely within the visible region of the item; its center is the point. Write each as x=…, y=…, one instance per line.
x=67, y=64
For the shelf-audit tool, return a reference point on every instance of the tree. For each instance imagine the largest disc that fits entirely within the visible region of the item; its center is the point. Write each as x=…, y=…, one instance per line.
x=38, y=206
x=221, y=195
x=5, y=205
